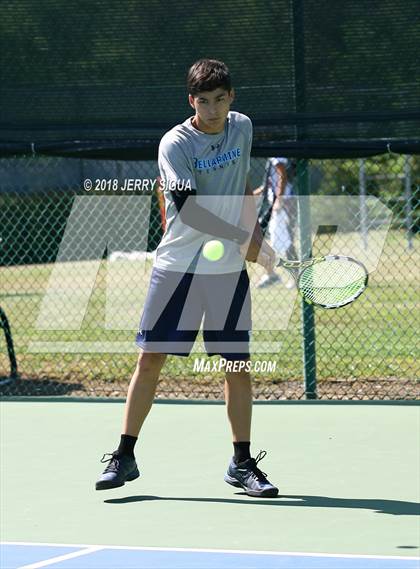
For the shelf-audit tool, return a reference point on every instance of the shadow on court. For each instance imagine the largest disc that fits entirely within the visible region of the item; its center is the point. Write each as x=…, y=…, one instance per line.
x=34, y=387
x=394, y=507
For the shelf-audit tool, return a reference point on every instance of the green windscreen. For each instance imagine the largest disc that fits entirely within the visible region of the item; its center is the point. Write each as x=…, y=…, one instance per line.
x=301, y=69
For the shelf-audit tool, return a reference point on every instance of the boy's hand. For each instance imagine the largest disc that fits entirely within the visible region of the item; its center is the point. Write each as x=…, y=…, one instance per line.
x=267, y=256
x=259, y=252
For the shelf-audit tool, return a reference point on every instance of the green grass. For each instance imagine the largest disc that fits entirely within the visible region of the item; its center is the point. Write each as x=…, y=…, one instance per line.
x=374, y=338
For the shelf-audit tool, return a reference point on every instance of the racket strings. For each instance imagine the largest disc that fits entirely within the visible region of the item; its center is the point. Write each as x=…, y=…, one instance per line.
x=332, y=282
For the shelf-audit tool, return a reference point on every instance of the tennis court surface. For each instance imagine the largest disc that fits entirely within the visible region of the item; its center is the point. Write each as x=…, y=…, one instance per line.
x=348, y=477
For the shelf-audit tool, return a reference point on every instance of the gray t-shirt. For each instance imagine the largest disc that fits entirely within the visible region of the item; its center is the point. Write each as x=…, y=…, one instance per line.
x=216, y=166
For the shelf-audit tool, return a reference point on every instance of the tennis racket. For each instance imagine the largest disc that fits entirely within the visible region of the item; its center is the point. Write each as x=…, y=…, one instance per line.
x=328, y=282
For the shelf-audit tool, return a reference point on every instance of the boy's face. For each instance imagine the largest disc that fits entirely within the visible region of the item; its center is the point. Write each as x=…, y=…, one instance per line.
x=211, y=109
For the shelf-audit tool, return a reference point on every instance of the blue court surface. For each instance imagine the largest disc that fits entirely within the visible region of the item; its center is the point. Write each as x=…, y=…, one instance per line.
x=34, y=556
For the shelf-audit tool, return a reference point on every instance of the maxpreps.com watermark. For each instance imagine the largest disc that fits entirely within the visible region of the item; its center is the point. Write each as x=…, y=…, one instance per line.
x=130, y=185
x=205, y=365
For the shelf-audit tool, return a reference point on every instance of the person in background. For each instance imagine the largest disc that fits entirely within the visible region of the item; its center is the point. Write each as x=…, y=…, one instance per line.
x=277, y=213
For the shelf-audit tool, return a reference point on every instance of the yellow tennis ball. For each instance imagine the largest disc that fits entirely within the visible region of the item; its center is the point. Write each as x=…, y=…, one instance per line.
x=213, y=250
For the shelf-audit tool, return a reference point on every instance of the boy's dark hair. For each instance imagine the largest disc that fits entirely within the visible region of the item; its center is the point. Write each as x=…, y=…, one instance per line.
x=208, y=75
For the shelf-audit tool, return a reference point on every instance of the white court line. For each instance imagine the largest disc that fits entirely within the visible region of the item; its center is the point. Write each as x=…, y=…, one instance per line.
x=59, y=558
x=192, y=550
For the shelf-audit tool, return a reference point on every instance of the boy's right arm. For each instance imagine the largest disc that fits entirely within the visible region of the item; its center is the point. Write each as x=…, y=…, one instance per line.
x=203, y=220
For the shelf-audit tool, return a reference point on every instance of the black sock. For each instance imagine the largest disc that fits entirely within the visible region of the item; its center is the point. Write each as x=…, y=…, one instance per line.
x=241, y=451
x=127, y=445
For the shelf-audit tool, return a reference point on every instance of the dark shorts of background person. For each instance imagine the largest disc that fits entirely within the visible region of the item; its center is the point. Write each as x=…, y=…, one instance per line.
x=176, y=303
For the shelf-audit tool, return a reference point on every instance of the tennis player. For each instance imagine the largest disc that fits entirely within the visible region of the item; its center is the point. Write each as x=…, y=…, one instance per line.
x=203, y=163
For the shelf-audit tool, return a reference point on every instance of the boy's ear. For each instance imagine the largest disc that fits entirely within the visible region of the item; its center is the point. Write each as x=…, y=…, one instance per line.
x=191, y=101
x=232, y=95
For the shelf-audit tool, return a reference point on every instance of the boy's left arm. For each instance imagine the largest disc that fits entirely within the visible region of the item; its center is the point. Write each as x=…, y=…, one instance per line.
x=281, y=186
x=255, y=249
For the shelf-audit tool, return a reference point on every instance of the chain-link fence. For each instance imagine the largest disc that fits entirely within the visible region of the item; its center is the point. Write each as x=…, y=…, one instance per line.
x=81, y=342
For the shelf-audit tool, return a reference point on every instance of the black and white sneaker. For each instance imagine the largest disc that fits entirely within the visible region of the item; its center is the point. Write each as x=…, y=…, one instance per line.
x=121, y=469
x=248, y=476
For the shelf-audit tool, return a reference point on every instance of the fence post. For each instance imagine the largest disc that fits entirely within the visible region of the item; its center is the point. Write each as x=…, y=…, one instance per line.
x=408, y=206
x=308, y=319
x=362, y=198
x=303, y=192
